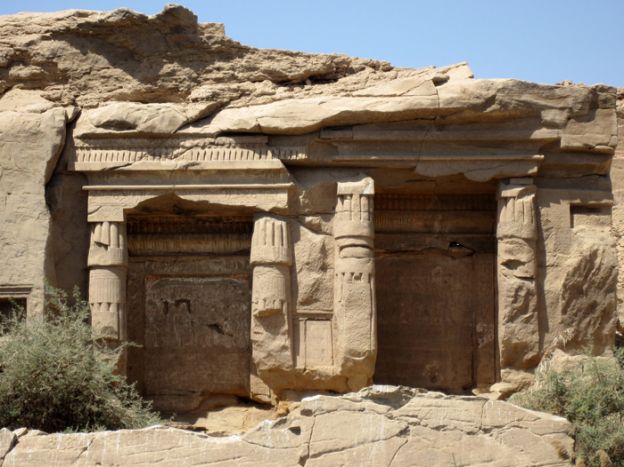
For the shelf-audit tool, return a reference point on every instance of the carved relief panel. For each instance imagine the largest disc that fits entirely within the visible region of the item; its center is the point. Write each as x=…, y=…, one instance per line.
x=191, y=307
x=435, y=258
x=196, y=334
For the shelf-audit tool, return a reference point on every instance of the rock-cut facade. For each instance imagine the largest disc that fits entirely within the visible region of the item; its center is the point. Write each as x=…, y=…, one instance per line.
x=263, y=223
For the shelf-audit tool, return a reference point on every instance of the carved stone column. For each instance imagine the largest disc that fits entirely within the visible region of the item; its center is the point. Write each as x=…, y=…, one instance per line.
x=354, y=288
x=271, y=329
x=108, y=261
x=518, y=328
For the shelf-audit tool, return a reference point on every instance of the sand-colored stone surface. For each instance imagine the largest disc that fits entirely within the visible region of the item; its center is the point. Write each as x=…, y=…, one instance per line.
x=617, y=178
x=379, y=426
x=32, y=137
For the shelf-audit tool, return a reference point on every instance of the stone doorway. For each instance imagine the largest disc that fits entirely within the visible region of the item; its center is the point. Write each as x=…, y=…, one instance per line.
x=435, y=269
x=189, y=297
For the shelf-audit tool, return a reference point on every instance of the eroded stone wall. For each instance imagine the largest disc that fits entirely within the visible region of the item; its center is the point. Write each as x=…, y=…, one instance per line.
x=617, y=180
x=31, y=140
x=577, y=265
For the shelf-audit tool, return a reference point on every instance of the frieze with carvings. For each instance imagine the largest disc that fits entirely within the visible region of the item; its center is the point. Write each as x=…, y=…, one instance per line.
x=133, y=154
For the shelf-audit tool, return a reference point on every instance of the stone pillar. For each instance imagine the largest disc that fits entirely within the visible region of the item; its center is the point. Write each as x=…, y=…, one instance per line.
x=108, y=261
x=271, y=327
x=516, y=232
x=354, y=288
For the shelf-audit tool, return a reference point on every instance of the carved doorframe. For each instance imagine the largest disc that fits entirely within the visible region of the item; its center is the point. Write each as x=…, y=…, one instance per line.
x=108, y=206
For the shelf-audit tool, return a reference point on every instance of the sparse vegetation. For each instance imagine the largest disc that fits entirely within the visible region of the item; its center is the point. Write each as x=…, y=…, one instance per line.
x=53, y=377
x=591, y=396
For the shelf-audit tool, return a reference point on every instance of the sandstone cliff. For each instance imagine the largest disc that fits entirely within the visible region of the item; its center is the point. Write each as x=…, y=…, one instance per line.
x=55, y=65
x=617, y=179
x=113, y=98
x=85, y=58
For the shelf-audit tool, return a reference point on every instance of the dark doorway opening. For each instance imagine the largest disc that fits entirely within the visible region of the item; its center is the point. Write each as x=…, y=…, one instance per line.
x=189, y=297
x=435, y=270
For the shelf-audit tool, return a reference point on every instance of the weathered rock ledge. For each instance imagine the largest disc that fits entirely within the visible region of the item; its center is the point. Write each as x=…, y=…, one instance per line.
x=380, y=426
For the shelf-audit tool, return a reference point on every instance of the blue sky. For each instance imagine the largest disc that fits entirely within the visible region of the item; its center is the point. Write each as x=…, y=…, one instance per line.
x=537, y=40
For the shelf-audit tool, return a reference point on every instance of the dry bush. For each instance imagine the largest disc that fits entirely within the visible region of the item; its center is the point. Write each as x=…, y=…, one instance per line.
x=591, y=396
x=53, y=377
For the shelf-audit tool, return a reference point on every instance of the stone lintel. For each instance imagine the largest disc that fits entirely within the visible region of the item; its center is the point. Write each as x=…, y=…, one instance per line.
x=108, y=202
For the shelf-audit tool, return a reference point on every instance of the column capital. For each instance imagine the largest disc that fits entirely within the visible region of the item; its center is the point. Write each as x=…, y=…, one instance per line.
x=353, y=222
x=270, y=243
x=363, y=186
x=516, y=211
x=516, y=188
x=108, y=244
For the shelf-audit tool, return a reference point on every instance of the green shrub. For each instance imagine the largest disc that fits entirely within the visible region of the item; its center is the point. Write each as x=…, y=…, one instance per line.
x=53, y=377
x=591, y=396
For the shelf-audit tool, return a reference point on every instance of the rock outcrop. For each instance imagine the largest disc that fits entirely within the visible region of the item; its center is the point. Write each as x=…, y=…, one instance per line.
x=32, y=135
x=378, y=426
x=87, y=57
x=617, y=178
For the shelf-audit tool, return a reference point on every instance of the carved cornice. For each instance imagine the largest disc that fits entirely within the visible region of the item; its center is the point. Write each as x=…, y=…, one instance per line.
x=15, y=290
x=191, y=187
x=178, y=244
x=480, y=150
x=180, y=153
x=110, y=202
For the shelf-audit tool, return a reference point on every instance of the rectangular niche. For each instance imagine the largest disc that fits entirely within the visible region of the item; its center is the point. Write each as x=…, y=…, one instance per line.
x=196, y=334
x=189, y=301
x=590, y=216
x=435, y=261
x=315, y=343
x=13, y=298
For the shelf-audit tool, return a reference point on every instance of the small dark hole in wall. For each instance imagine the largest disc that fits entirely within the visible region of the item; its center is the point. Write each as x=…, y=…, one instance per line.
x=10, y=306
x=590, y=216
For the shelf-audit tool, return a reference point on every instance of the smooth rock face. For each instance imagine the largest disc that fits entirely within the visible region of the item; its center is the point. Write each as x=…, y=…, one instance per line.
x=32, y=137
x=8, y=439
x=381, y=425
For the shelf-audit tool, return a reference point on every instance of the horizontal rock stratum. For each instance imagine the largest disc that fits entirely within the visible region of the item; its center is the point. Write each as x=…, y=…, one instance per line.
x=379, y=426
x=88, y=57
